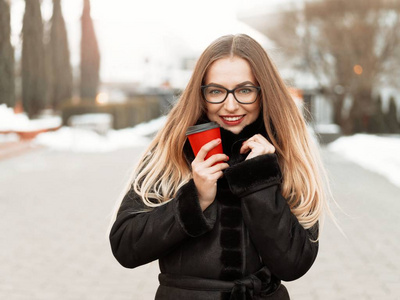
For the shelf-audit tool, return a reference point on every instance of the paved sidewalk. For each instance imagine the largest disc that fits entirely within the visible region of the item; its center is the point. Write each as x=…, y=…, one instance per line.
x=12, y=149
x=55, y=209
x=365, y=265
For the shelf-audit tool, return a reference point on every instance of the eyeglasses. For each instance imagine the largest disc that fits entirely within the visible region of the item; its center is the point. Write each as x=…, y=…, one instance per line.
x=242, y=94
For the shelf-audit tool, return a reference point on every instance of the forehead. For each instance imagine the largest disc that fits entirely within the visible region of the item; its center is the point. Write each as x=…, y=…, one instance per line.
x=229, y=72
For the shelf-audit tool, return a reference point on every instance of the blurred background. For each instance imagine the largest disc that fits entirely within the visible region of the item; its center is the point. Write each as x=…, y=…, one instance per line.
x=84, y=85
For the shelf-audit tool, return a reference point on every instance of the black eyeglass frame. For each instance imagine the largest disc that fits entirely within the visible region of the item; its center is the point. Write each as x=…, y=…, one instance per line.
x=203, y=87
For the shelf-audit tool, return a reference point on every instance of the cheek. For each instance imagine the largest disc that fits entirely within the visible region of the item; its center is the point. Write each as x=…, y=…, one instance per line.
x=255, y=109
x=212, y=111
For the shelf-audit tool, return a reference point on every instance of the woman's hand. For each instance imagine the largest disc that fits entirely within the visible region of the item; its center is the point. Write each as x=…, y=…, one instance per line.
x=207, y=172
x=258, y=145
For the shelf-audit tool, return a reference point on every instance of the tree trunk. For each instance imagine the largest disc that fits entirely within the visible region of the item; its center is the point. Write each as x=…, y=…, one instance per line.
x=7, y=81
x=90, y=56
x=33, y=64
x=337, y=109
x=360, y=111
x=60, y=67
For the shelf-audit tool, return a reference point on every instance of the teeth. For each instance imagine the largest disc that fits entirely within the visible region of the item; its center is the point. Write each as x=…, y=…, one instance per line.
x=232, y=119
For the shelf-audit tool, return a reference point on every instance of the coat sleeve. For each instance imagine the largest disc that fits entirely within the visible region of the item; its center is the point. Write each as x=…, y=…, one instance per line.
x=141, y=234
x=286, y=248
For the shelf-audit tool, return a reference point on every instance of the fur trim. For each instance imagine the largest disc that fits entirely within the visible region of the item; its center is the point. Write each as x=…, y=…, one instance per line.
x=253, y=175
x=231, y=142
x=189, y=214
x=225, y=196
x=231, y=217
x=230, y=239
x=229, y=202
x=227, y=199
x=232, y=258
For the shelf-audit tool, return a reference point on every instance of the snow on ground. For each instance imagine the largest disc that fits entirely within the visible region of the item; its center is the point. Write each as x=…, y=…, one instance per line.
x=375, y=153
x=76, y=139
x=83, y=140
x=9, y=137
x=380, y=154
x=9, y=121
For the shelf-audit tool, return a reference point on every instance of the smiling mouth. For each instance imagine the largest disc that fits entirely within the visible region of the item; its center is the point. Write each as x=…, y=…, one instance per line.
x=232, y=119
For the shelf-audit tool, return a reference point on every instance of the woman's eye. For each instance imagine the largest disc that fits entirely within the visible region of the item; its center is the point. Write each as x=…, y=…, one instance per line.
x=215, y=92
x=245, y=91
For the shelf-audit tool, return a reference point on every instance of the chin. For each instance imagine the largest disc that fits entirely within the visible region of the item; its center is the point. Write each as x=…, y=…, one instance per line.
x=235, y=130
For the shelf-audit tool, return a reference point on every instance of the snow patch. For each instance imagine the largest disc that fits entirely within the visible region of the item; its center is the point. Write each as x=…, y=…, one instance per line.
x=76, y=139
x=378, y=154
x=9, y=121
x=83, y=140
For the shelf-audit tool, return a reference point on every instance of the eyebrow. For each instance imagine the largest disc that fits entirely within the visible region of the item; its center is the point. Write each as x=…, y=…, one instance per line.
x=239, y=84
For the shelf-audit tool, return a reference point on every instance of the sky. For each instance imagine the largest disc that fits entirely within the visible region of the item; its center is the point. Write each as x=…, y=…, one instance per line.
x=131, y=32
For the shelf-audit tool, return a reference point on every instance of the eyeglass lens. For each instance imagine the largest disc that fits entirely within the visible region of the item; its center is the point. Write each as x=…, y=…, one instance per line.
x=245, y=94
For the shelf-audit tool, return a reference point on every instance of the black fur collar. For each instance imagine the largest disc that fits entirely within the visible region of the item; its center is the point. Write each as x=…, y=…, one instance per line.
x=231, y=142
x=230, y=207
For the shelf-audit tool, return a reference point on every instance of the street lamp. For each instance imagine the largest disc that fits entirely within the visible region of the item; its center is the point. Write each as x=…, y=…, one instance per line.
x=358, y=69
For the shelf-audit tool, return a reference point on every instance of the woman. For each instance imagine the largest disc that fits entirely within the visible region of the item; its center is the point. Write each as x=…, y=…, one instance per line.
x=235, y=229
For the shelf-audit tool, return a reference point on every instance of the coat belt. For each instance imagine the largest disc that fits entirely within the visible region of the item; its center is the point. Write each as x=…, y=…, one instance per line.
x=246, y=288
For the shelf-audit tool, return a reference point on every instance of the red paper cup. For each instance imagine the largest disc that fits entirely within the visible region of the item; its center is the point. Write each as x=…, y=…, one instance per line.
x=199, y=135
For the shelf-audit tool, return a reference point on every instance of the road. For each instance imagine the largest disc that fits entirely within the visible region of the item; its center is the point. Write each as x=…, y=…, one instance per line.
x=55, y=212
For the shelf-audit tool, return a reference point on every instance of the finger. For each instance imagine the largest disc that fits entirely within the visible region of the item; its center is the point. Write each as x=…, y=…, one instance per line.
x=253, y=144
x=260, y=148
x=207, y=147
x=245, y=147
x=269, y=147
x=258, y=139
x=217, y=175
x=216, y=158
x=218, y=167
x=264, y=141
x=255, y=147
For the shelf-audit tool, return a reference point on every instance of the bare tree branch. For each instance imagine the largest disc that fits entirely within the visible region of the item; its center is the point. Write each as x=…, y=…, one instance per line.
x=352, y=43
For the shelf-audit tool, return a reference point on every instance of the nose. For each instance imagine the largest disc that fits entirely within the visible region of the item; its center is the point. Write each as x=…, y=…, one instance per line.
x=230, y=103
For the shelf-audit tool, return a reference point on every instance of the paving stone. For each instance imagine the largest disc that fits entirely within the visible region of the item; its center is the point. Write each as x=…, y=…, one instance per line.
x=56, y=205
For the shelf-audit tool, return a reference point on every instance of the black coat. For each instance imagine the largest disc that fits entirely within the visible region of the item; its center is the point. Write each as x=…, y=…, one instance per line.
x=240, y=247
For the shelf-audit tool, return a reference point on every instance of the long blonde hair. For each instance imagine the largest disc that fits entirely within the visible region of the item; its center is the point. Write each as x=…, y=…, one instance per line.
x=163, y=169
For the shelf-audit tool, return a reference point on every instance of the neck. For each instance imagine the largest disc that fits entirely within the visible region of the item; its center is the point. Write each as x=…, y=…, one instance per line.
x=232, y=142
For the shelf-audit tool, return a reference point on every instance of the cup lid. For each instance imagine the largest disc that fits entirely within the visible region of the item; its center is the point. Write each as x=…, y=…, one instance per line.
x=201, y=127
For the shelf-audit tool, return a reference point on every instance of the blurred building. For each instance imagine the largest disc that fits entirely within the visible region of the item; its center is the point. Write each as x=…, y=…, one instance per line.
x=263, y=16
